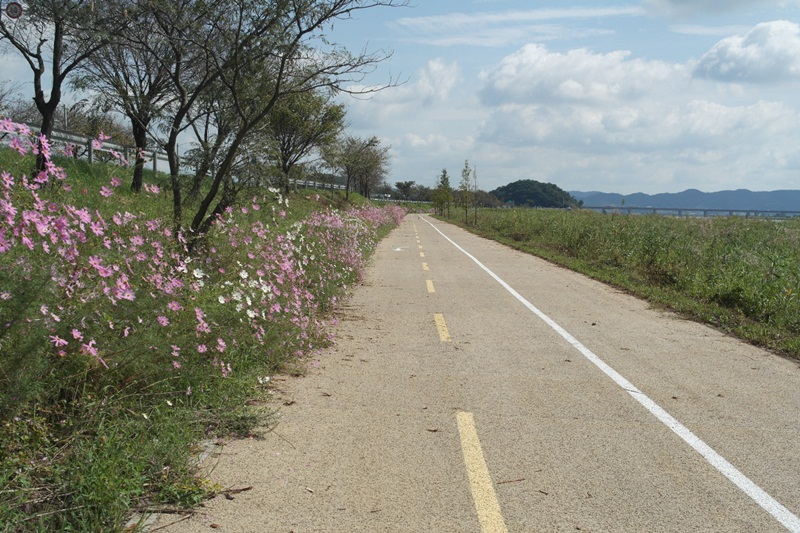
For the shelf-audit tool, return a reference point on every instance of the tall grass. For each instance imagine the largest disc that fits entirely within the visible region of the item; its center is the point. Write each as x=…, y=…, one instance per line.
x=738, y=274
x=120, y=347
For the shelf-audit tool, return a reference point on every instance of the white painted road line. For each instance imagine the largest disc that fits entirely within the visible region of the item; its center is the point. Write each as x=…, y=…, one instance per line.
x=783, y=515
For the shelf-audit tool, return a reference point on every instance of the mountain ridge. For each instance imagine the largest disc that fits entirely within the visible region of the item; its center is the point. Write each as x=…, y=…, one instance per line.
x=739, y=199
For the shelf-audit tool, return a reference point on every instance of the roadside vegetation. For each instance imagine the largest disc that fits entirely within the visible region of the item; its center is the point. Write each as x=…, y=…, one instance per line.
x=739, y=275
x=124, y=343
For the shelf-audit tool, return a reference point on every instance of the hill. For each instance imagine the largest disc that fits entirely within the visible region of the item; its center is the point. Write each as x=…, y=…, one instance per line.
x=782, y=200
x=532, y=193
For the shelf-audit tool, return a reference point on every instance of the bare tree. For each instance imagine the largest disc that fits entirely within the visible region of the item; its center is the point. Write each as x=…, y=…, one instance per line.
x=130, y=75
x=55, y=37
x=252, y=52
x=7, y=91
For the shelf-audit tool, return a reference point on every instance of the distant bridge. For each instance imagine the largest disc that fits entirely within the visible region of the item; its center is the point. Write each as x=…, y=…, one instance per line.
x=694, y=212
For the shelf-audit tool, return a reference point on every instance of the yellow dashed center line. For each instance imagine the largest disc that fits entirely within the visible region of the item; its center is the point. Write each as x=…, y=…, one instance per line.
x=480, y=482
x=424, y=266
x=441, y=327
x=422, y=254
x=429, y=283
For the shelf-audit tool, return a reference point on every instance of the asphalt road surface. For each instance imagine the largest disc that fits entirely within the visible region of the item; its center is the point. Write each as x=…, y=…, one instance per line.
x=474, y=388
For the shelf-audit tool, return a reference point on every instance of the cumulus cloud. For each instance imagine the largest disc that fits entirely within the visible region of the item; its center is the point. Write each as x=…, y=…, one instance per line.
x=645, y=127
x=582, y=102
x=767, y=53
x=534, y=74
x=431, y=86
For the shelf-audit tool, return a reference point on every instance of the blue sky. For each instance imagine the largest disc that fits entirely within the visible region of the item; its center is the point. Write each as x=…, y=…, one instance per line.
x=644, y=96
x=619, y=96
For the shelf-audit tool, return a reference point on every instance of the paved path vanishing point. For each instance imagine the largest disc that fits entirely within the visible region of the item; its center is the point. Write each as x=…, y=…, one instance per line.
x=474, y=388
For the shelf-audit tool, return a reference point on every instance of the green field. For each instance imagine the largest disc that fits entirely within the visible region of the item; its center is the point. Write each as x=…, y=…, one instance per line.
x=739, y=275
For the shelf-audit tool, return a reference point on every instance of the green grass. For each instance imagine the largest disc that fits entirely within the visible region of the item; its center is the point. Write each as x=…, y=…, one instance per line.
x=739, y=275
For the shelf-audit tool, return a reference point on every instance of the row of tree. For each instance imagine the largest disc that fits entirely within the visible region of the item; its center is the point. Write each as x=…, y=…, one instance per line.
x=250, y=82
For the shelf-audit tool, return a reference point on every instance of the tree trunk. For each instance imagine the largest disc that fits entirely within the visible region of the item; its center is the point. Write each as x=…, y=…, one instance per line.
x=140, y=138
x=175, y=182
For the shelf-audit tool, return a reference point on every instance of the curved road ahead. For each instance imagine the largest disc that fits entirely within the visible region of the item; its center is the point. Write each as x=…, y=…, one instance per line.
x=474, y=388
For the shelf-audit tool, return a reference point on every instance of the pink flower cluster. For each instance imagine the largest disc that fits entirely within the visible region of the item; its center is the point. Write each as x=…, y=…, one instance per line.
x=119, y=284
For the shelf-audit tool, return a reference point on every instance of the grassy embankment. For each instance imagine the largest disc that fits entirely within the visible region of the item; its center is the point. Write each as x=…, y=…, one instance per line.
x=739, y=275
x=119, y=349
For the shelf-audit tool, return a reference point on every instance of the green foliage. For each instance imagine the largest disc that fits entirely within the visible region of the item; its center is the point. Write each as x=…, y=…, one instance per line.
x=531, y=193
x=442, y=196
x=737, y=274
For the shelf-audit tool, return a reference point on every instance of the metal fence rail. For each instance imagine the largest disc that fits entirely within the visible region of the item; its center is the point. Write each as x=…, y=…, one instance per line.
x=84, y=147
x=695, y=212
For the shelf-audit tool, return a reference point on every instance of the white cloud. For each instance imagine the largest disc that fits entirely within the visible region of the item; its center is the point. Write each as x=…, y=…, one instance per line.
x=493, y=29
x=534, y=74
x=582, y=115
x=685, y=8
x=431, y=86
x=769, y=52
x=718, y=31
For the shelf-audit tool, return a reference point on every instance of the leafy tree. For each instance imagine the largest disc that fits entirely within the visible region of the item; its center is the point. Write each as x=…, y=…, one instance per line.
x=405, y=188
x=485, y=199
x=421, y=193
x=465, y=190
x=442, y=196
x=300, y=123
x=363, y=163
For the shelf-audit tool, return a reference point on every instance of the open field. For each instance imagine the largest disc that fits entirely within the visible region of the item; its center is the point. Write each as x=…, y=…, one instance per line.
x=740, y=275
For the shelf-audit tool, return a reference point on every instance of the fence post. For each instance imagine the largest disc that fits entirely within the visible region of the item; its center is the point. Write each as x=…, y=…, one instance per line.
x=155, y=161
x=90, y=151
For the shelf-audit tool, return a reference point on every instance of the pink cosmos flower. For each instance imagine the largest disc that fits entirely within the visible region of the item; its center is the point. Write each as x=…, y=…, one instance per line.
x=164, y=321
x=89, y=349
x=58, y=341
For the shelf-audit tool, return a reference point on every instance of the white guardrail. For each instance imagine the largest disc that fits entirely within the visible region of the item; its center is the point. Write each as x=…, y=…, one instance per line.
x=84, y=147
